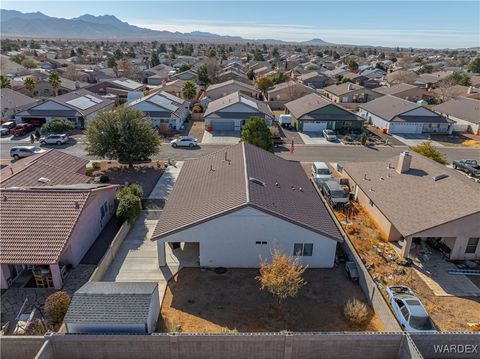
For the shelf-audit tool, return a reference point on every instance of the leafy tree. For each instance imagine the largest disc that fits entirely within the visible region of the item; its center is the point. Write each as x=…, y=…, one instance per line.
x=18, y=58
x=122, y=134
x=257, y=133
x=57, y=126
x=118, y=54
x=312, y=67
x=202, y=75
x=474, y=65
x=162, y=48
x=111, y=62
x=427, y=149
x=258, y=56
x=129, y=202
x=282, y=277
x=250, y=75
x=56, y=306
x=381, y=56
x=189, y=90
x=279, y=77
x=30, y=84
x=336, y=56
x=154, y=60
x=212, y=53
x=457, y=79
x=29, y=64
x=5, y=82
x=264, y=83
x=54, y=81
x=73, y=53
x=184, y=67
x=352, y=65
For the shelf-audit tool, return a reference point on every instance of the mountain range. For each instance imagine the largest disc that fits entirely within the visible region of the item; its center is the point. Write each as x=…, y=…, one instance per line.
x=108, y=27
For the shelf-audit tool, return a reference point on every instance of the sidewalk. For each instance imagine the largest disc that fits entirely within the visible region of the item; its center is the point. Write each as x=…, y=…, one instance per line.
x=165, y=184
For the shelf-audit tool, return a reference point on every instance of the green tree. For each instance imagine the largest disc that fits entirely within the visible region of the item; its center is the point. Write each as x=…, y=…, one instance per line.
x=30, y=84
x=18, y=58
x=29, y=64
x=57, y=126
x=279, y=77
x=257, y=133
x=154, y=60
x=427, y=149
x=212, y=53
x=264, y=83
x=54, y=81
x=5, y=82
x=474, y=65
x=122, y=134
x=129, y=202
x=189, y=90
x=202, y=76
x=457, y=79
x=184, y=67
x=111, y=62
x=352, y=65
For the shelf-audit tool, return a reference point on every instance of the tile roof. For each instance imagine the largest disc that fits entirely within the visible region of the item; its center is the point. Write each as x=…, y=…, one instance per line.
x=463, y=108
x=111, y=302
x=59, y=167
x=210, y=187
x=413, y=201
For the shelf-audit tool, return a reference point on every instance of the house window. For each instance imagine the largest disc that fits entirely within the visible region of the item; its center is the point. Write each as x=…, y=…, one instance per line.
x=303, y=249
x=472, y=245
x=103, y=210
x=261, y=242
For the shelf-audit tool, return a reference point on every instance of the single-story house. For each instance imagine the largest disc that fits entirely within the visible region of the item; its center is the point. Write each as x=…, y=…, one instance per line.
x=288, y=91
x=400, y=116
x=50, y=214
x=233, y=75
x=312, y=113
x=78, y=106
x=348, y=92
x=431, y=80
x=410, y=198
x=119, y=87
x=405, y=91
x=465, y=112
x=262, y=71
x=114, y=307
x=13, y=102
x=185, y=75
x=158, y=75
x=174, y=87
x=43, y=87
x=231, y=112
x=240, y=203
x=313, y=79
x=163, y=109
x=216, y=91
x=373, y=73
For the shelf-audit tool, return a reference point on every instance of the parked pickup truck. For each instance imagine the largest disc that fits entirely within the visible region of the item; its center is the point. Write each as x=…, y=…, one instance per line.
x=471, y=167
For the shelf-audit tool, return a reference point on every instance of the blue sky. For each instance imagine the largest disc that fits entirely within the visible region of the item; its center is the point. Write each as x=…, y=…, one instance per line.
x=436, y=24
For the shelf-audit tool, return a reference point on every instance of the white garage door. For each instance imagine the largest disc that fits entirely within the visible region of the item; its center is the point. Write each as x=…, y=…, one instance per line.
x=314, y=126
x=223, y=125
x=405, y=128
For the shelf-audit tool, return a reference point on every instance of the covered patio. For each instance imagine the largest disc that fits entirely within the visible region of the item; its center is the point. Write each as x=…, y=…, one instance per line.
x=32, y=275
x=173, y=256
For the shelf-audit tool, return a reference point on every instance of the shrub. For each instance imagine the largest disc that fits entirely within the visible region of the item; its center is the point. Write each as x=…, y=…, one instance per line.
x=57, y=126
x=197, y=108
x=363, y=139
x=427, y=149
x=96, y=165
x=356, y=312
x=130, y=203
x=56, y=306
x=104, y=179
x=90, y=171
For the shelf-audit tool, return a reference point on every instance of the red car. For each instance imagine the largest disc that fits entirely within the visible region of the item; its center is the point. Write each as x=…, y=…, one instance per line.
x=21, y=129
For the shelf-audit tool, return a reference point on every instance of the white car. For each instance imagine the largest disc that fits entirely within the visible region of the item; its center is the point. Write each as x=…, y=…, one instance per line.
x=184, y=141
x=321, y=173
x=54, y=139
x=329, y=135
x=409, y=310
x=18, y=152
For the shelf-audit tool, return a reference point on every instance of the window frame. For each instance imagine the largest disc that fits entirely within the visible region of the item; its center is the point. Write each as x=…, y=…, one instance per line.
x=468, y=248
x=299, y=249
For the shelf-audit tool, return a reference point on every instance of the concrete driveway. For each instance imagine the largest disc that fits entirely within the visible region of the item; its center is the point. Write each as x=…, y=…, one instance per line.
x=165, y=184
x=414, y=139
x=221, y=137
x=316, y=138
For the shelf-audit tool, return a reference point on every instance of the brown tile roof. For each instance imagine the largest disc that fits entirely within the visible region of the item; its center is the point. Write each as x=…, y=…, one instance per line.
x=59, y=167
x=211, y=187
x=413, y=201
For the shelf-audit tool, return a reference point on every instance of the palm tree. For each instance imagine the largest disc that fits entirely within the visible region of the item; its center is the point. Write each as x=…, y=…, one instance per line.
x=54, y=81
x=189, y=90
x=30, y=84
x=5, y=82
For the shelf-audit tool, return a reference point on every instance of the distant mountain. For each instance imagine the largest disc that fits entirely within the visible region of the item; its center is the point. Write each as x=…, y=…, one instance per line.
x=106, y=27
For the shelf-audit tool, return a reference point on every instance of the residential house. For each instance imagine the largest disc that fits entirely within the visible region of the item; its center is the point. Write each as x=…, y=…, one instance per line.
x=262, y=71
x=158, y=75
x=312, y=113
x=375, y=73
x=175, y=87
x=118, y=87
x=216, y=91
x=78, y=106
x=398, y=116
x=238, y=204
x=349, y=93
x=405, y=91
x=288, y=91
x=13, y=102
x=465, y=112
x=50, y=215
x=313, y=79
x=43, y=87
x=431, y=80
x=185, y=75
x=233, y=75
x=114, y=307
x=410, y=199
x=164, y=109
x=231, y=112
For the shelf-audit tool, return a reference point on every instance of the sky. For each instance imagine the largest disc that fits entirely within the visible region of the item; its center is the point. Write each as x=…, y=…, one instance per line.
x=432, y=24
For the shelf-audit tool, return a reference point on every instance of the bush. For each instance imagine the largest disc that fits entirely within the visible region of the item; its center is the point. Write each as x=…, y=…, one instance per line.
x=363, y=139
x=130, y=203
x=356, y=312
x=104, y=179
x=197, y=108
x=56, y=306
x=57, y=126
x=90, y=171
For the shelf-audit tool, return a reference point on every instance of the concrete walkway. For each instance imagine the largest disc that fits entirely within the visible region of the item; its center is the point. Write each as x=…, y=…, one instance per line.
x=165, y=184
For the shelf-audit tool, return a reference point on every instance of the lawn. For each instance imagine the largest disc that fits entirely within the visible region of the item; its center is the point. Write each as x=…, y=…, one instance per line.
x=208, y=302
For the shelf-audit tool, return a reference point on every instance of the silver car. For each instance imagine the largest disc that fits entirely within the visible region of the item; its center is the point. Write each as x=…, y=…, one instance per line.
x=6, y=127
x=54, y=139
x=18, y=152
x=329, y=135
x=184, y=141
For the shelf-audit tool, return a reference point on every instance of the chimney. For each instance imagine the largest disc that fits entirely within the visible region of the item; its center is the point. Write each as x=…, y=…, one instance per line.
x=404, y=161
x=470, y=90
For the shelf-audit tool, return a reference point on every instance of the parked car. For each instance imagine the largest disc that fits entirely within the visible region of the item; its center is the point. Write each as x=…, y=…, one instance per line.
x=6, y=127
x=471, y=167
x=184, y=141
x=277, y=141
x=335, y=193
x=409, y=310
x=54, y=139
x=18, y=152
x=21, y=129
x=321, y=172
x=329, y=135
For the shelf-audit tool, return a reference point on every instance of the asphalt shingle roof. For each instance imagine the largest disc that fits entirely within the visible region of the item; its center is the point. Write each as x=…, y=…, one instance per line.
x=462, y=108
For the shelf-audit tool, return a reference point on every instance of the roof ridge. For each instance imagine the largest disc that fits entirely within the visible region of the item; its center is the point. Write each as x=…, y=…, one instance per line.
x=247, y=186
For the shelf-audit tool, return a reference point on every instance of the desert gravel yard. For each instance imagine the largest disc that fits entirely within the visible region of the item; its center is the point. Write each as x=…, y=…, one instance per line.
x=208, y=302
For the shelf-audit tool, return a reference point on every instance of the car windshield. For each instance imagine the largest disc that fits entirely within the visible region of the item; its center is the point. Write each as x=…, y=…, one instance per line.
x=339, y=194
x=36, y=149
x=329, y=132
x=471, y=162
x=323, y=171
x=421, y=323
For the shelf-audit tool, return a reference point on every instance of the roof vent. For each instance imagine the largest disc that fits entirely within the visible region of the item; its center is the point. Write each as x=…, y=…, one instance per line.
x=43, y=180
x=257, y=181
x=211, y=168
x=77, y=205
x=439, y=177
x=277, y=184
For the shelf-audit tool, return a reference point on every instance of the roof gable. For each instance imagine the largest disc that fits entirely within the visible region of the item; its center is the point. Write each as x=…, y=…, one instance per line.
x=51, y=105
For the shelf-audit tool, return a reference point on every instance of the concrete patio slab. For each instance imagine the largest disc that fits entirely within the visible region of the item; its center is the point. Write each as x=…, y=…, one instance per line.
x=414, y=140
x=221, y=137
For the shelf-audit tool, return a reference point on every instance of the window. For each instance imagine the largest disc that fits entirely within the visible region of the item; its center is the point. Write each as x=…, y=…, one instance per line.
x=103, y=210
x=472, y=245
x=261, y=242
x=303, y=249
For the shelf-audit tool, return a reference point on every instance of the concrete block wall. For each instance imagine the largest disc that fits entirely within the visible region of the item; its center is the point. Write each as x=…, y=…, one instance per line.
x=447, y=345
x=20, y=347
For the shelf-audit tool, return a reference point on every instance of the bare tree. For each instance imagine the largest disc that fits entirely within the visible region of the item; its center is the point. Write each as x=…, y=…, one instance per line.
x=402, y=76
x=213, y=69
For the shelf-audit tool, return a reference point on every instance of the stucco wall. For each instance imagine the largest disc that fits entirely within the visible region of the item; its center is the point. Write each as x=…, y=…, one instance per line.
x=230, y=240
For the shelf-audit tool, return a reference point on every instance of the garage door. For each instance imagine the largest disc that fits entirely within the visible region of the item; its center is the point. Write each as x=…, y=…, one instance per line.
x=405, y=128
x=314, y=126
x=226, y=125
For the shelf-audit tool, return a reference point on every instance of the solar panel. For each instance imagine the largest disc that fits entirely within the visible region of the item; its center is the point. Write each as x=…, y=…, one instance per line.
x=81, y=102
x=170, y=96
x=249, y=102
x=93, y=98
x=163, y=102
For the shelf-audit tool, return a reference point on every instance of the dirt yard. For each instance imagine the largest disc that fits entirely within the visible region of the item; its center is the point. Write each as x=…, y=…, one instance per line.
x=457, y=140
x=448, y=313
x=146, y=175
x=197, y=301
